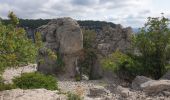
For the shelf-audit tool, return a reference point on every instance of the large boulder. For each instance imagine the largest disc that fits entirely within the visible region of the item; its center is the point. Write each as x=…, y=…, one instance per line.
x=62, y=36
x=138, y=81
x=155, y=87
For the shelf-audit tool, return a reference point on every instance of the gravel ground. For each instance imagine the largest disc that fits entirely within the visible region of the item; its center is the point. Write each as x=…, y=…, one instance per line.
x=10, y=73
x=80, y=87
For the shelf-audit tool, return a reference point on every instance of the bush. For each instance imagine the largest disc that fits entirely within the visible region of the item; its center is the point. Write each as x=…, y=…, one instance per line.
x=35, y=80
x=72, y=96
x=124, y=65
x=6, y=86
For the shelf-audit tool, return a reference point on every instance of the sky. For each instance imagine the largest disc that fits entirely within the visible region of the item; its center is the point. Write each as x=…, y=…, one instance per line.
x=132, y=13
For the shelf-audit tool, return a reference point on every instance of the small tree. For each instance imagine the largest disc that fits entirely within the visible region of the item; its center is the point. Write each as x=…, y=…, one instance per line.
x=152, y=42
x=13, y=18
x=15, y=48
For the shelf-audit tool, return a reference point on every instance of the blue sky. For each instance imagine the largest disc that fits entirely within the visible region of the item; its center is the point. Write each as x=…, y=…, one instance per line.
x=126, y=12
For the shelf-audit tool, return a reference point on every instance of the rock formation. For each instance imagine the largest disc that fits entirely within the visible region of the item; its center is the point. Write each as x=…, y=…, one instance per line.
x=110, y=39
x=138, y=81
x=64, y=37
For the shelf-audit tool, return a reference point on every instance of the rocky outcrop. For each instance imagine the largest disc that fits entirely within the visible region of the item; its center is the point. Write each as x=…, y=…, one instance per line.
x=151, y=87
x=110, y=39
x=62, y=36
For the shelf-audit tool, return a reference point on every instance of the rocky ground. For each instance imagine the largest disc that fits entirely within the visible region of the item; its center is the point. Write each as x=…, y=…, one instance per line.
x=89, y=90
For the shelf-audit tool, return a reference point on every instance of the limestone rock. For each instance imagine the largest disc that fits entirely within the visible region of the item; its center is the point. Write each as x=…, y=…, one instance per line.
x=62, y=36
x=154, y=87
x=109, y=39
x=11, y=72
x=138, y=81
x=31, y=94
x=124, y=92
x=98, y=91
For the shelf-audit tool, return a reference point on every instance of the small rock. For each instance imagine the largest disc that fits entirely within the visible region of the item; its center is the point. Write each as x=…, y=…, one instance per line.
x=124, y=92
x=85, y=77
x=98, y=91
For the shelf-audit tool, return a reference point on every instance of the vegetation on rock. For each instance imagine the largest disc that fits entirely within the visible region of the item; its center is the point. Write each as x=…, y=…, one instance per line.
x=150, y=54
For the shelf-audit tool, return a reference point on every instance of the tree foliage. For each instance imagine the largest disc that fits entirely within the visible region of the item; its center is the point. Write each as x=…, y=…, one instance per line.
x=13, y=18
x=15, y=48
x=150, y=48
x=124, y=65
x=152, y=43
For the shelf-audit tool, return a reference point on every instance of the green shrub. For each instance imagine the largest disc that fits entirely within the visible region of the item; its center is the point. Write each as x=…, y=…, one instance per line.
x=125, y=66
x=15, y=48
x=72, y=96
x=77, y=77
x=152, y=43
x=6, y=86
x=35, y=80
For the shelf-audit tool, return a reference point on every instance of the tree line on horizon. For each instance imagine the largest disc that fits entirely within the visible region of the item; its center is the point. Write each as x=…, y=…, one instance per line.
x=35, y=23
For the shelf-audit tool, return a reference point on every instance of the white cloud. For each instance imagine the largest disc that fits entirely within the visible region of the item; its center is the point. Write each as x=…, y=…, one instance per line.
x=127, y=12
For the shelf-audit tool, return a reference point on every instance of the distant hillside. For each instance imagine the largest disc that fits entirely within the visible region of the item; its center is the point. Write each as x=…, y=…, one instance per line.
x=35, y=23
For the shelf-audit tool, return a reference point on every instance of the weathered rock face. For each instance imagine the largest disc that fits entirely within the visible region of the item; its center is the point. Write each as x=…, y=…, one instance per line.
x=109, y=39
x=62, y=36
